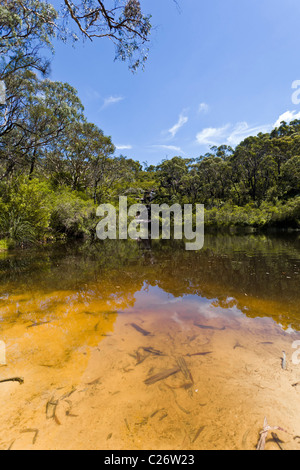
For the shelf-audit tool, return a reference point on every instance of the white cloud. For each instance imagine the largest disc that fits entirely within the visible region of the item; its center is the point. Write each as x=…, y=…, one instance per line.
x=229, y=134
x=242, y=130
x=168, y=147
x=112, y=100
x=181, y=122
x=288, y=117
x=203, y=108
x=123, y=147
x=212, y=135
x=234, y=134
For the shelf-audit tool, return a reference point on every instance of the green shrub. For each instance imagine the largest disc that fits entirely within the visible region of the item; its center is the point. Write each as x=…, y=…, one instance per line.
x=25, y=211
x=4, y=245
x=288, y=214
x=283, y=215
x=72, y=216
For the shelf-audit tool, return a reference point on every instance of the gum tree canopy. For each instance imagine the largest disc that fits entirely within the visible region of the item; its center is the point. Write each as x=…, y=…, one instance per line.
x=122, y=21
x=28, y=25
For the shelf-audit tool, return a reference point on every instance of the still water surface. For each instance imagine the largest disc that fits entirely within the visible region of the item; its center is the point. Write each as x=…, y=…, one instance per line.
x=130, y=346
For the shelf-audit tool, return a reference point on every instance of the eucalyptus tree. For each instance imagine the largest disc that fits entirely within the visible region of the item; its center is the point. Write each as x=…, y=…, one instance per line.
x=253, y=169
x=290, y=178
x=285, y=143
x=51, y=112
x=171, y=174
x=212, y=174
x=79, y=158
x=27, y=28
x=41, y=111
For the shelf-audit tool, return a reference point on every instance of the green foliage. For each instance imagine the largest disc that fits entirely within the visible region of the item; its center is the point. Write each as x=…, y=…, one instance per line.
x=25, y=211
x=72, y=216
x=281, y=215
x=288, y=214
x=4, y=245
x=290, y=177
x=26, y=28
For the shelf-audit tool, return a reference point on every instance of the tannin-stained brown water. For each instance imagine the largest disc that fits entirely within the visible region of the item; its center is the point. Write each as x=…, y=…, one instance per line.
x=129, y=346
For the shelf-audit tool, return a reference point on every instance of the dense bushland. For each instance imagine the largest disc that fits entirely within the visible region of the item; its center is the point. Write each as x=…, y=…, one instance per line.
x=56, y=167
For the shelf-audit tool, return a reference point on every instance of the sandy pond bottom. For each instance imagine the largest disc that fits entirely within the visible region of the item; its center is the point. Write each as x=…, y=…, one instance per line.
x=102, y=395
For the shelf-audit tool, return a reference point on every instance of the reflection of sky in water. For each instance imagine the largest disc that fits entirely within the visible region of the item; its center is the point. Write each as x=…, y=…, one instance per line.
x=153, y=298
x=234, y=277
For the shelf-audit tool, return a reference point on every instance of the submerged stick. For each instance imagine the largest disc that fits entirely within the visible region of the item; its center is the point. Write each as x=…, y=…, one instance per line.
x=206, y=327
x=33, y=431
x=162, y=376
x=238, y=345
x=283, y=361
x=143, y=353
x=185, y=386
x=264, y=434
x=14, y=379
x=153, y=351
x=127, y=425
x=95, y=382
x=67, y=395
x=200, y=430
x=199, y=354
x=54, y=405
x=140, y=330
x=11, y=445
x=277, y=440
x=184, y=369
x=41, y=323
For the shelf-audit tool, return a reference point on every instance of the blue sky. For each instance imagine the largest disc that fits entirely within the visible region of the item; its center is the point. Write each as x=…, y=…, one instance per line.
x=217, y=72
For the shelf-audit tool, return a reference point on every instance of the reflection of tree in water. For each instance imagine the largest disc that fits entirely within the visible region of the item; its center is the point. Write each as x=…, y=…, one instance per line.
x=257, y=271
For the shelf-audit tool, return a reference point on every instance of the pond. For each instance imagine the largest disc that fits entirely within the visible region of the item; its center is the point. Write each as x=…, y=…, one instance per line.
x=126, y=345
